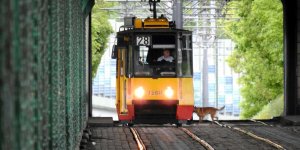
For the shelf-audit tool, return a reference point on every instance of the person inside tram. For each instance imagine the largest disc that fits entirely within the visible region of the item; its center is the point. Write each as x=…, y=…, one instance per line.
x=166, y=63
x=166, y=56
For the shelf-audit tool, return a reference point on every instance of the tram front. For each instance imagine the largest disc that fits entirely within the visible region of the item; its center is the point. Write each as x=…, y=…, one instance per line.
x=154, y=76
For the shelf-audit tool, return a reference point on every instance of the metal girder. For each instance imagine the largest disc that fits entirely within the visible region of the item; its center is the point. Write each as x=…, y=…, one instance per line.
x=203, y=27
x=191, y=9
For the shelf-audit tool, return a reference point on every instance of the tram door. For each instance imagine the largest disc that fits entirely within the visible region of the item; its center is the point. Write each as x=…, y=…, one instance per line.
x=121, y=81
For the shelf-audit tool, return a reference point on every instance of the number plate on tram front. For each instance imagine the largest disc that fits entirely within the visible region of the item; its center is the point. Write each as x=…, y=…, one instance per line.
x=143, y=40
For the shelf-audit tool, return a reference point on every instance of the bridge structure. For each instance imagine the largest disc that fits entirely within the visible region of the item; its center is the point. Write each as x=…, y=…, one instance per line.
x=45, y=88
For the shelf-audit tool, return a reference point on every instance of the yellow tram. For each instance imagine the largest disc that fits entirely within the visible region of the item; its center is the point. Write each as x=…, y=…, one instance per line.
x=154, y=72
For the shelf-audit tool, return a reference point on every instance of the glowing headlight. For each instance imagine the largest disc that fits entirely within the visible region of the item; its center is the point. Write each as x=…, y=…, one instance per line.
x=139, y=92
x=169, y=92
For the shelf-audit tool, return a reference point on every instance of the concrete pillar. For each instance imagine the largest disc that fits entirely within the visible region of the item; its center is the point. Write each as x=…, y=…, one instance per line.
x=291, y=52
x=177, y=13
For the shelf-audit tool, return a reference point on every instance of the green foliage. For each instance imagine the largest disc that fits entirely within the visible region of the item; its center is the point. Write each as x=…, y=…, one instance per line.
x=101, y=30
x=273, y=109
x=258, y=55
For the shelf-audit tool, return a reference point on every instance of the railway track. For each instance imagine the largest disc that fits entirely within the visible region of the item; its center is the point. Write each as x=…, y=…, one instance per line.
x=263, y=123
x=195, y=137
x=142, y=146
x=138, y=139
x=202, y=142
x=224, y=135
x=275, y=145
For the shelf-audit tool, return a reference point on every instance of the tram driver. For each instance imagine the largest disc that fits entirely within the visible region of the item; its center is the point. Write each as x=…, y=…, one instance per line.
x=166, y=61
x=166, y=56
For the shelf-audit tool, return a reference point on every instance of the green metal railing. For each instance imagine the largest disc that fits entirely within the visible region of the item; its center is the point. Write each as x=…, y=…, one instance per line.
x=43, y=73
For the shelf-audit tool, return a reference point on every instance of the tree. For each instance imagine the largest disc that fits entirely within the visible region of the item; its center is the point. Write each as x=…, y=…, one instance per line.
x=258, y=55
x=101, y=30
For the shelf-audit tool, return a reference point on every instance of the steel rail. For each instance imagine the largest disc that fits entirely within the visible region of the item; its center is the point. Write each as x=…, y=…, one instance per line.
x=251, y=135
x=263, y=123
x=138, y=139
x=195, y=137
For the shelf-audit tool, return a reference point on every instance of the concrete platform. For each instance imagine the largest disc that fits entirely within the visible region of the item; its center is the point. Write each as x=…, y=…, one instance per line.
x=291, y=120
x=100, y=122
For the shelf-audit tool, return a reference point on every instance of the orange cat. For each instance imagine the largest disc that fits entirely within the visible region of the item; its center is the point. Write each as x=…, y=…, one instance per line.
x=203, y=111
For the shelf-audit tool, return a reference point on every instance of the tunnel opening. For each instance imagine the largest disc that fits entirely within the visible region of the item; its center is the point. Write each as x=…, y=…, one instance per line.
x=214, y=88
x=46, y=75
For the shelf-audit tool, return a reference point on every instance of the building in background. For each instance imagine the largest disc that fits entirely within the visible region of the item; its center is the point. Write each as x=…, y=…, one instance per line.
x=104, y=84
x=223, y=88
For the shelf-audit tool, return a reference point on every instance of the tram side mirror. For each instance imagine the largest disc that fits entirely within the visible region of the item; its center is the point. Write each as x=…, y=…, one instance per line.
x=114, y=53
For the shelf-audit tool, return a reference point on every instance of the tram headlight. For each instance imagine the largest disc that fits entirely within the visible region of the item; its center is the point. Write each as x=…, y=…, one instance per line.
x=169, y=92
x=139, y=92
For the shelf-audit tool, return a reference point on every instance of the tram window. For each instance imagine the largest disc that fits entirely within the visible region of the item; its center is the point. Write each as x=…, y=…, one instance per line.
x=166, y=63
x=184, y=41
x=155, y=54
x=161, y=39
x=129, y=61
x=141, y=66
x=143, y=55
x=146, y=62
x=187, y=42
x=185, y=66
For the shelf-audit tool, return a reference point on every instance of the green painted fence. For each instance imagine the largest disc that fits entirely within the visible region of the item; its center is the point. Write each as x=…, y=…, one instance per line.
x=43, y=73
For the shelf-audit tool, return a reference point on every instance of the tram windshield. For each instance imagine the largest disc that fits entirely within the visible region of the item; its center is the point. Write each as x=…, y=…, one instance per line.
x=154, y=62
x=163, y=58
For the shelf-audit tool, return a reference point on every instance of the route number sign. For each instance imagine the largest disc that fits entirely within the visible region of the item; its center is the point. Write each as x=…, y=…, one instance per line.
x=143, y=40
